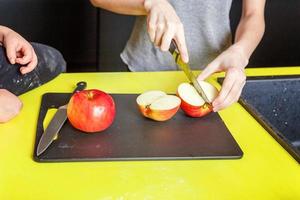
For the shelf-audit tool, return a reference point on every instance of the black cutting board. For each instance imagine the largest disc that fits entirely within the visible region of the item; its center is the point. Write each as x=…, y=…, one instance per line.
x=134, y=137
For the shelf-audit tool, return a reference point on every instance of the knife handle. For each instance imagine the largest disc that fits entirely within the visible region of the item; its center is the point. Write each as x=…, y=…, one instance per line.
x=173, y=47
x=80, y=86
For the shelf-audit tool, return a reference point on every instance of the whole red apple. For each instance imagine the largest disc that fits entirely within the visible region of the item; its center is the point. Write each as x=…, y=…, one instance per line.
x=91, y=110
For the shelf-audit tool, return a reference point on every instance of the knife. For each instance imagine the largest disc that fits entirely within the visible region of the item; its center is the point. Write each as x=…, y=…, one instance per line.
x=56, y=123
x=187, y=70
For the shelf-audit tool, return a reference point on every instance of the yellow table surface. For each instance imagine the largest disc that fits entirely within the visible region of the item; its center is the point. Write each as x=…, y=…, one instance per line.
x=266, y=170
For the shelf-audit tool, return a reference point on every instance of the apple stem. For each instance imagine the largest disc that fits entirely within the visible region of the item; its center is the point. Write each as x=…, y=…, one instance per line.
x=90, y=95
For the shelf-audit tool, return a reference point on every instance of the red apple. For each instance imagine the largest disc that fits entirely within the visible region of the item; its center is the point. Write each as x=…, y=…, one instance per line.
x=192, y=103
x=91, y=110
x=157, y=105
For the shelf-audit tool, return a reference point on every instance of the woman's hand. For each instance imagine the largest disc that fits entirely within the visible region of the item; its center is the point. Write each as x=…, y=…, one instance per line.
x=233, y=62
x=164, y=25
x=19, y=51
x=10, y=106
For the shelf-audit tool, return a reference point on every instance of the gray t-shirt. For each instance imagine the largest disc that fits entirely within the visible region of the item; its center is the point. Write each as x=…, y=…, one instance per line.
x=207, y=33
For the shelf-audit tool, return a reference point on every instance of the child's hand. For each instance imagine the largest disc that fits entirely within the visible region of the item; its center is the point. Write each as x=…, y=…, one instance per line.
x=18, y=50
x=232, y=62
x=10, y=105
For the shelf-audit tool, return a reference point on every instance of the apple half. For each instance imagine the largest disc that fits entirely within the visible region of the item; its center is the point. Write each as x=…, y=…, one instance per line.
x=158, y=105
x=192, y=103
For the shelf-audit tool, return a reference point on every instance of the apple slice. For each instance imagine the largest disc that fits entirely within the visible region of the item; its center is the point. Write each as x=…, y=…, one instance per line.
x=192, y=103
x=157, y=105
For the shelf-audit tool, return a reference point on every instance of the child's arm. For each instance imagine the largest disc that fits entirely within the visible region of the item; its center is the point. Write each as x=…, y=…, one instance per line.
x=10, y=106
x=233, y=61
x=19, y=51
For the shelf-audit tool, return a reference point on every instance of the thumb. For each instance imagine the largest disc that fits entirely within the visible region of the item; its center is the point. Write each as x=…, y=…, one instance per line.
x=209, y=70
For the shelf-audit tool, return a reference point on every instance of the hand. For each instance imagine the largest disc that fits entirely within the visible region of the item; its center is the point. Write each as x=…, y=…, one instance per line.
x=232, y=62
x=163, y=25
x=18, y=50
x=10, y=105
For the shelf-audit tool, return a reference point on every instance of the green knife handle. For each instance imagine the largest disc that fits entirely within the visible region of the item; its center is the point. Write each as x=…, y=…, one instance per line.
x=80, y=86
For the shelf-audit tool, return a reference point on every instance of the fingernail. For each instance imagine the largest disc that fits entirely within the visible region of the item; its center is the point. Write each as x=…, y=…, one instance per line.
x=199, y=78
x=186, y=59
x=163, y=49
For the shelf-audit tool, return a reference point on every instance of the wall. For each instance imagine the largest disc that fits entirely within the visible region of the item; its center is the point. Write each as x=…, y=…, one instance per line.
x=92, y=39
x=68, y=25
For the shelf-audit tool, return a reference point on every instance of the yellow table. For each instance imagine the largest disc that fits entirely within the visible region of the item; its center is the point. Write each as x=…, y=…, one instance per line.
x=266, y=170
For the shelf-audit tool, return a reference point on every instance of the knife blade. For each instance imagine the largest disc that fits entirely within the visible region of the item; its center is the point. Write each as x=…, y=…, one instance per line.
x=56, y=123
x=187, y=70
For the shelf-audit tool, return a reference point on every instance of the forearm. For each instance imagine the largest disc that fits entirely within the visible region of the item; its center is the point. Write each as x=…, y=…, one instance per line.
x=127, y=7
x=250, y=30
x=249, y=33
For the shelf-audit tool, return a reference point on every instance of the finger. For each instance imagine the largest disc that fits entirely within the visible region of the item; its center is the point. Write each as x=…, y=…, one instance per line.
x=181, y=44
x=18, y=54
x=26, y=55
x=160, y=29
x=228, y=83
x=11, y=51
x=233, y=97
x=151, y=25
x=148, y=5
x=31, y=65
x=167, y=38
x=209, y=70
x=234, y=80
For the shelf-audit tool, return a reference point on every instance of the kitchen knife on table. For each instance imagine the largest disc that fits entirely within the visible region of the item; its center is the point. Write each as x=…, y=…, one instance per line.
x=56, y=123
x=188, y=72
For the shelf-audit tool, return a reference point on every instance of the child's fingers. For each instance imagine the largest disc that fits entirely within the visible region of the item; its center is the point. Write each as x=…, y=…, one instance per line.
x=26, y=55
x=31, y=65
x=11, y=52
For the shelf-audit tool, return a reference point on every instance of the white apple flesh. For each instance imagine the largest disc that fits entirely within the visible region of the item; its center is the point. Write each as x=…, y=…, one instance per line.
x=157, y=105
x=192, y=103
